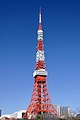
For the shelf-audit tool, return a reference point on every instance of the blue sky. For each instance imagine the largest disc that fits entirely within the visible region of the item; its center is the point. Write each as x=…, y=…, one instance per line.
x=18, y=42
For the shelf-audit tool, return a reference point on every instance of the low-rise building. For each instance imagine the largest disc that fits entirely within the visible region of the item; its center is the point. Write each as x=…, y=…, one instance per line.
x=18, y=114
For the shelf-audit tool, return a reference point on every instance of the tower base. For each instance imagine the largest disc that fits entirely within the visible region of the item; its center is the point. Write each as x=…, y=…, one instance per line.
x=40, y=102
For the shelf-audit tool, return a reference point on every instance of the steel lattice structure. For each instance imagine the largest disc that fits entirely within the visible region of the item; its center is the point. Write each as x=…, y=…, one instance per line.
x=40, y=102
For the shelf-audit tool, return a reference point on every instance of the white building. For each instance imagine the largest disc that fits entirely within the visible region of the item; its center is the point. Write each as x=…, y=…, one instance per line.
x=3, y=116
x=18, y=114
x=58, y=109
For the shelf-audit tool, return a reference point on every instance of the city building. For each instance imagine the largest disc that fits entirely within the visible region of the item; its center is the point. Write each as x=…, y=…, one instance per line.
x=65, y=111
x=5, y=116
x=58, y=109
x=18, y=114
x=78, y=116
x=0, y=112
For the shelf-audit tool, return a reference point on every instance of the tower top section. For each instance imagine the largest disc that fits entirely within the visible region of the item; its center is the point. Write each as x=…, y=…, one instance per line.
x=40, y=58
x=40, y=31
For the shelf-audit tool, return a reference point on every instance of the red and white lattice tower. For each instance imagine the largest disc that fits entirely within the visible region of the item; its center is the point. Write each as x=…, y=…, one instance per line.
x=40, y=101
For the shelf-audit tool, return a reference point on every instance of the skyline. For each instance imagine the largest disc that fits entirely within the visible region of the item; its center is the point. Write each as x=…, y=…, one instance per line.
x=18, y=41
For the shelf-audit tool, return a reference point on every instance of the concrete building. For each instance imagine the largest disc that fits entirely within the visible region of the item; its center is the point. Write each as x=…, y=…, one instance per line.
x=0, y=112
x=58, y=108
x=5, y=116
x=78, y=116
x=18, y=114
x=65, y=111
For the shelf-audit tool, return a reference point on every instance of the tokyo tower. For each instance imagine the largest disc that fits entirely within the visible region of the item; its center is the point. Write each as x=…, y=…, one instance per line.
x=40, y=102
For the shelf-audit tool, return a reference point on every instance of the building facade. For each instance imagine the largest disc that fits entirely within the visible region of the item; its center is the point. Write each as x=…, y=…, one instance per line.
x=58, y=109
x=16, y=115
x=65, y=111
x=0, y=112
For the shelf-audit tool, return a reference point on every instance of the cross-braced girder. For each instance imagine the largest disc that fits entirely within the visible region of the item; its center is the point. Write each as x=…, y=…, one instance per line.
x=40, y=101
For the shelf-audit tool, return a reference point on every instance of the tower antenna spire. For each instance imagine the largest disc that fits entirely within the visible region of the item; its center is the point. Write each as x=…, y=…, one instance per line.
x=40, y=19
x=40, y=16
